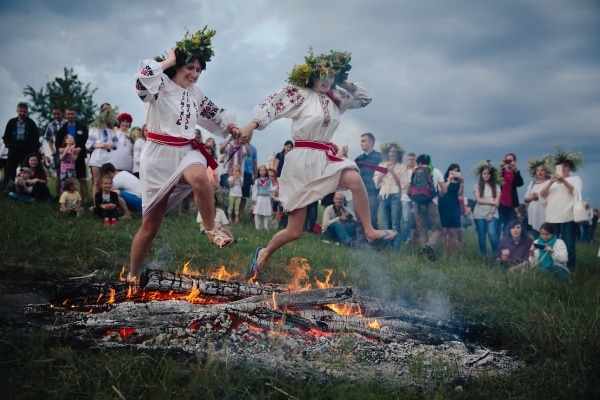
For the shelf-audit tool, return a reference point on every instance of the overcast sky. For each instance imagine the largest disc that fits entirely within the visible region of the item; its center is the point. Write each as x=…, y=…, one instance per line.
x=462, y=80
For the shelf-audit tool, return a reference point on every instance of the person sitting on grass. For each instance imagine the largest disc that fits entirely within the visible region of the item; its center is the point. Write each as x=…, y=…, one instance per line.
x=70, y=199
x=24, y=186
x=548, y=253
x=106, y=202
x=513, y=249
x=339, y=223
x=221, y=221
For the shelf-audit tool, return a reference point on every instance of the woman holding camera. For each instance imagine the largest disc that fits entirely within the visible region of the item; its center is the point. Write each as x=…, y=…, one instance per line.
x=390, y=205
x=449, y=208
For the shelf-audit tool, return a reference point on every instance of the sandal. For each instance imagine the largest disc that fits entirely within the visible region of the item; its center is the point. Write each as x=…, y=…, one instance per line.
x=219, y=238
x=253, y=271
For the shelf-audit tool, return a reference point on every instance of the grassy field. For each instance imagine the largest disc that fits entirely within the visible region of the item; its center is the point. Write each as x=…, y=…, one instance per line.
x=552, y=326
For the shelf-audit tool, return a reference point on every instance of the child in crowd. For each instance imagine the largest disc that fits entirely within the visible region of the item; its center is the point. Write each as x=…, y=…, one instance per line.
x=23, y=186
x=275, y=203
x=221, y=221
x=235, y=183
x=261, y=198
x=68, y=155
x=70, y=199
x=106, y=202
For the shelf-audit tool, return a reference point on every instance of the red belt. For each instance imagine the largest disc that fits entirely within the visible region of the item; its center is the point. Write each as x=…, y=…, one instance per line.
x=182, y=142
x=326, y=147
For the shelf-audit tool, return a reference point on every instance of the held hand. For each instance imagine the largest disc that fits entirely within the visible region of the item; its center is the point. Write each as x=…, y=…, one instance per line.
x=489, y=217
x=245, y=132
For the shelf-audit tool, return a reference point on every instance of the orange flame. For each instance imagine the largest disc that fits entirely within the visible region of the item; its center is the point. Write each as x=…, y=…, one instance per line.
x=374, y=325
x=223, y=275
x=111, y=298
x=122, y=276
x=274, y=301
x=186, y=267
x=298, y=267
x=346, y=309
x=326, y=284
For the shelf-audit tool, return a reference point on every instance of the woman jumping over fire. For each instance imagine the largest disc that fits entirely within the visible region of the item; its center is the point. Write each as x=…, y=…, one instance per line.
x=318, y=95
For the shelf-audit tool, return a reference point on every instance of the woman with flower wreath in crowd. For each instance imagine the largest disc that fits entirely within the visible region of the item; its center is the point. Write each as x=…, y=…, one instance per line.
x=536, y=212
x=487, y=198
x=173, y=163
x=318, y=95
x=558, y=196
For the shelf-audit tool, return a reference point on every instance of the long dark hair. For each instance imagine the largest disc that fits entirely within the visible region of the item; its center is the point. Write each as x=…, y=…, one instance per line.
x=170, y=72
x=450, y=168
x=514, y=223
x=492, y=182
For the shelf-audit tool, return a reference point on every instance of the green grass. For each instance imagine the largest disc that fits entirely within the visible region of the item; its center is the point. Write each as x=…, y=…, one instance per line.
x=554, y=327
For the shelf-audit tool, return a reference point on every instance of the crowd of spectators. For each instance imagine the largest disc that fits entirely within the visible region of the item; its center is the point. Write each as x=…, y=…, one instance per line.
x=108, y=154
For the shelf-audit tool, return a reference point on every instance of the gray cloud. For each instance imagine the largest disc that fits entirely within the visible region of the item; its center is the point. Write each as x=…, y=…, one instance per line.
x=462, y=80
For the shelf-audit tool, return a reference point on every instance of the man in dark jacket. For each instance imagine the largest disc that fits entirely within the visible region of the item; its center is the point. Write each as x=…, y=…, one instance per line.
x=79, y=132
x=509, y=199
x=21, y=138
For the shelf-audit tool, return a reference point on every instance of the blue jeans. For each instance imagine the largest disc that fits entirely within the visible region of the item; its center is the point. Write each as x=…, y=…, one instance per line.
x=391, y=216
x=407, y=207
x=342, y=231
x=567, y=231
x=131, y=200
x=491, y=229
x=373, y=208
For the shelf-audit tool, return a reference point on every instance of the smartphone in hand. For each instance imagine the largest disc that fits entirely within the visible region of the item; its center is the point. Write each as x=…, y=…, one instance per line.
x=540, y=246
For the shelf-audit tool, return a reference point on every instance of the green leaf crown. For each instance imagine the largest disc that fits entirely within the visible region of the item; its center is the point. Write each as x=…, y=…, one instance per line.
x=321, y=66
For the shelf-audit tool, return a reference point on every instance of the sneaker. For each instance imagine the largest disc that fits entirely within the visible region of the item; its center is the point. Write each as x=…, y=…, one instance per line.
x=113, y=221
x=428, y=253
x=106, y=221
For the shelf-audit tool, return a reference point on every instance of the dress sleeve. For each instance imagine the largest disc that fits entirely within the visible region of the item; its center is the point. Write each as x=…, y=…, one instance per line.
x=212, y=117
x=148, y=80
x=283, y=104
x=91, y=141
x=559, y=253
x=357, y=97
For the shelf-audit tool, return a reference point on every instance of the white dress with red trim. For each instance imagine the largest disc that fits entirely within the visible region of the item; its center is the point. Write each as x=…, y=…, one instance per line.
x=309, y=174
x=172, y=111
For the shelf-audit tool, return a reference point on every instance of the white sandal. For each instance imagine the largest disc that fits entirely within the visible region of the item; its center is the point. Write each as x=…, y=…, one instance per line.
x=219, y=238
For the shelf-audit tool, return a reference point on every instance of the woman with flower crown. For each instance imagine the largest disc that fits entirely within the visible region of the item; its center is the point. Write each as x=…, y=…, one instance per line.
x=173, y=163
x=487, y=198
x=558, y=196
x=318, y=95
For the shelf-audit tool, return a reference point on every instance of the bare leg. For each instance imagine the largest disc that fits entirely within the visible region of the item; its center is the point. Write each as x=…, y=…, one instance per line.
x=195, y=176
x=451, y=240
x=143, y=239
x=445, y=240
x=351, y=179
x=292, y=232
x=96, y=179
x=83, y=187
x=124, y=208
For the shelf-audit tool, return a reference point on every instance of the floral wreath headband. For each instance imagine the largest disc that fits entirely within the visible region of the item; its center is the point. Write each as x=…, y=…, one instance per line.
x=336, y=63
x=193, y=45
x=387, y=146
x=497, y=172
x=545, y=162
x=563, y=154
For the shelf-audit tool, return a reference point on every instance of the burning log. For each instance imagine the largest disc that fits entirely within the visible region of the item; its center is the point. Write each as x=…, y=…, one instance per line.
x=93, y=296
x=178, y=313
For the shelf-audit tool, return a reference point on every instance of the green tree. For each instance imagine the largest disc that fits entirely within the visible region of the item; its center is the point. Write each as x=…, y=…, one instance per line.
x=66, y=91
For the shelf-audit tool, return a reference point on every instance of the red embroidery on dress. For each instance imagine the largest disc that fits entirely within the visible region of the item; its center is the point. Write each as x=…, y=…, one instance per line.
x=324, y=100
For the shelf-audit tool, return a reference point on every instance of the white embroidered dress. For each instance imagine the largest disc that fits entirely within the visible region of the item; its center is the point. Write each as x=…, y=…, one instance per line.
x=172, y=111
x=308, y=175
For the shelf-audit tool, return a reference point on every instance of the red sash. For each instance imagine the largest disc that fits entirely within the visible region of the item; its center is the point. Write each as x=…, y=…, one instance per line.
x=326, y=147
x=182, y=142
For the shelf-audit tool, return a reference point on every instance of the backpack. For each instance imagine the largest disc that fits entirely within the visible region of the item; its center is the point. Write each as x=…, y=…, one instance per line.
x=422, y=189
